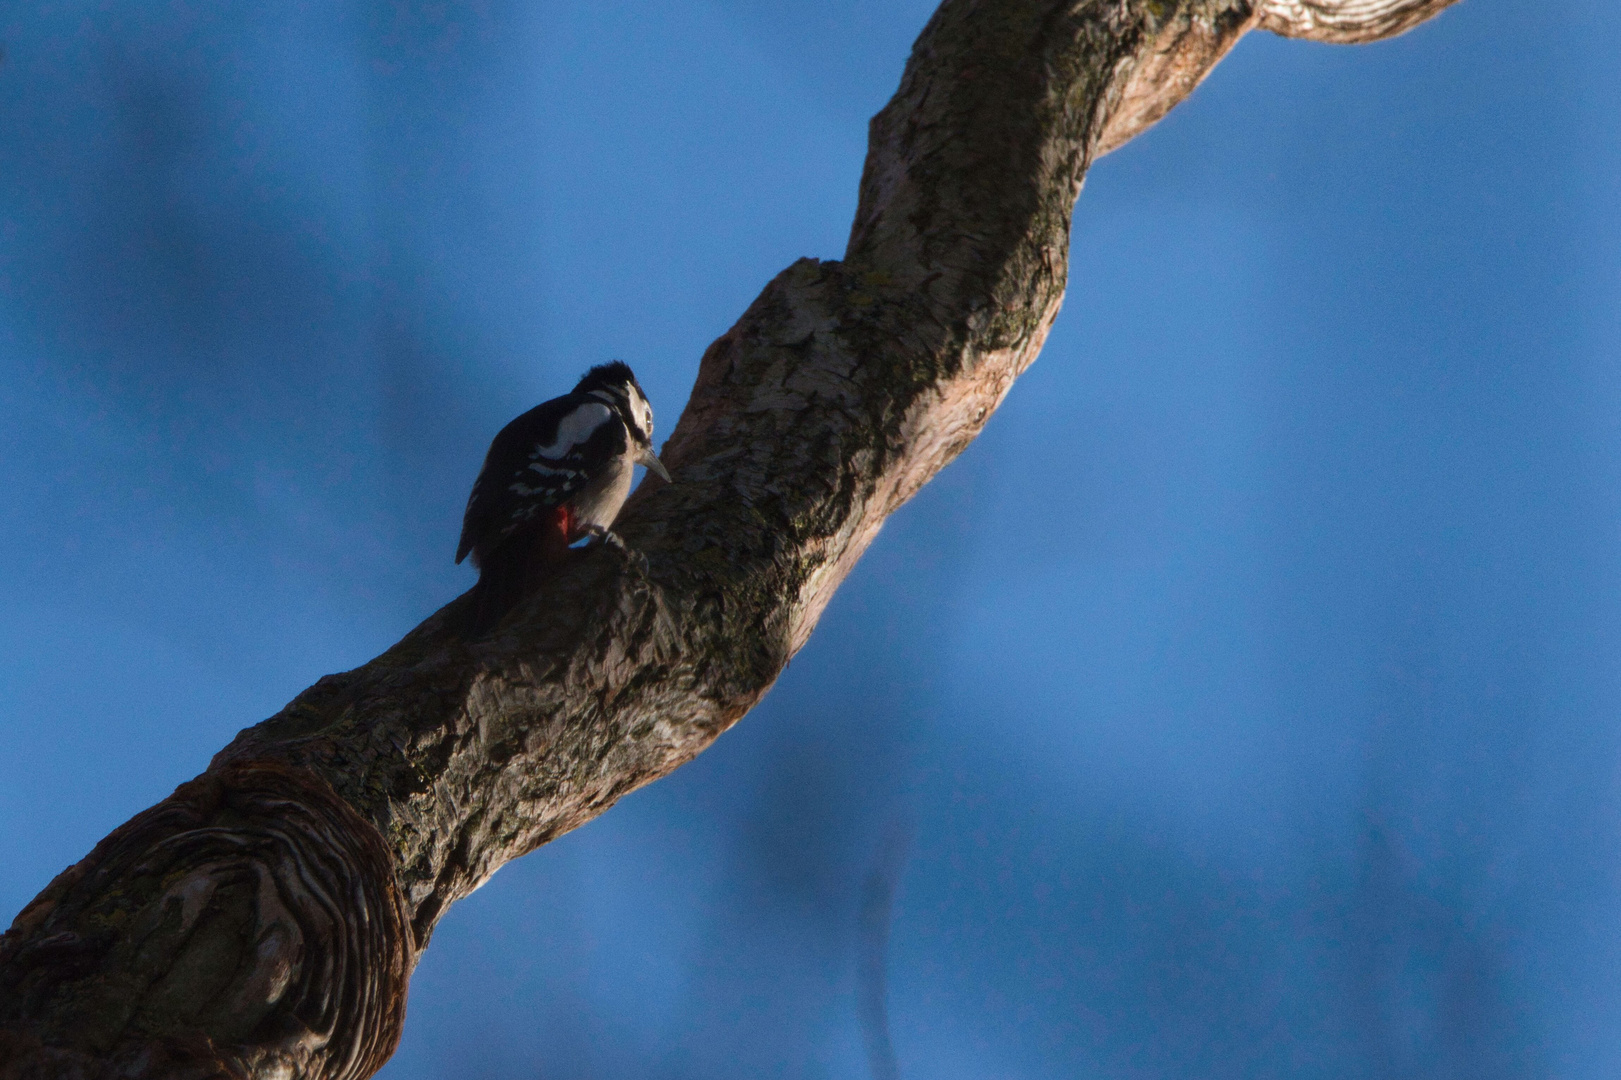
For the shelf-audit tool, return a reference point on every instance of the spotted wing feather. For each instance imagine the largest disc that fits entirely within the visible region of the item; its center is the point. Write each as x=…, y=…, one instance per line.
x=535, y=465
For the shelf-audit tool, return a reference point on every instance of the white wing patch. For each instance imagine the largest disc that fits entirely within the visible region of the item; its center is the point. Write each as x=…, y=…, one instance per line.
x=574, y=429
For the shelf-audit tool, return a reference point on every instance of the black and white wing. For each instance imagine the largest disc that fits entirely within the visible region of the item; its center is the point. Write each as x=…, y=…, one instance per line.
x=536, y=464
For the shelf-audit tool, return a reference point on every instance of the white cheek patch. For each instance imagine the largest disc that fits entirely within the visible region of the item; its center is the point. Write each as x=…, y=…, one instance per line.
x=575, y=428
x=642, y=413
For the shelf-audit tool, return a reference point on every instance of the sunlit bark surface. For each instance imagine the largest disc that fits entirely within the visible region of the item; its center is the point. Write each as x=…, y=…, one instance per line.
x=264, y=919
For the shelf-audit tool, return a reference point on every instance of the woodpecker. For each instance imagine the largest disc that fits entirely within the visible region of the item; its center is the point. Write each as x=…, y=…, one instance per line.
x=556, y=474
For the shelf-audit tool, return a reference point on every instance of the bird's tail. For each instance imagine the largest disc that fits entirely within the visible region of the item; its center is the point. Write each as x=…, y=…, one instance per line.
x=508, y=574
x=497, y=592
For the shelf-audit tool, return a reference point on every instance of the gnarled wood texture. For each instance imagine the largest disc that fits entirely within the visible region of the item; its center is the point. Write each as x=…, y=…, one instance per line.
x=249, y=924
x=264, y=919
x=1345, y=22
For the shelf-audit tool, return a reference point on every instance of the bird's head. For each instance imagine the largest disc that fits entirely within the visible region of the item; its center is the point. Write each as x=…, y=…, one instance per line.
x=615, y=385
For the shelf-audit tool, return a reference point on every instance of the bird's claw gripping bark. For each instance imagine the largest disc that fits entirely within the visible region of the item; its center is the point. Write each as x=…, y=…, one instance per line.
x=607, y=536
x=613, y=540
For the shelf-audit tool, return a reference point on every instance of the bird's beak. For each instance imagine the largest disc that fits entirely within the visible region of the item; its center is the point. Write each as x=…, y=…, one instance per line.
x=650, y=459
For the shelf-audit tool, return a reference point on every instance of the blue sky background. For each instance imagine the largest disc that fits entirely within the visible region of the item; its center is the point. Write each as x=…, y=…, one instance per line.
x=1252, y=687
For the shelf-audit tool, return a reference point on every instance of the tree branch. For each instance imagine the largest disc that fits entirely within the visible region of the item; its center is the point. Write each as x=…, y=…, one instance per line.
x=267, y=915
x=1345, y=22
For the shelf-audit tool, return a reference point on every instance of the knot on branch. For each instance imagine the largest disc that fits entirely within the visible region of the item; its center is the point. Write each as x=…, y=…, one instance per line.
x=249, y=924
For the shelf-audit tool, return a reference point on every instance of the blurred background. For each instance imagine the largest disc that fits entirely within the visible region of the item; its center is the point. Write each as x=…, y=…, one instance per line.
x=1250, y=692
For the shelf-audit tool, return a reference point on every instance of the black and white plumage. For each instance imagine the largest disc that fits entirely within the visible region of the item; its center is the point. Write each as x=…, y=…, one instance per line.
x=558, y=473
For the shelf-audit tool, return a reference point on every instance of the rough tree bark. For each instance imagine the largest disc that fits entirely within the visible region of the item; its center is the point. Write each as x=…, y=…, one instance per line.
x=264, y=919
